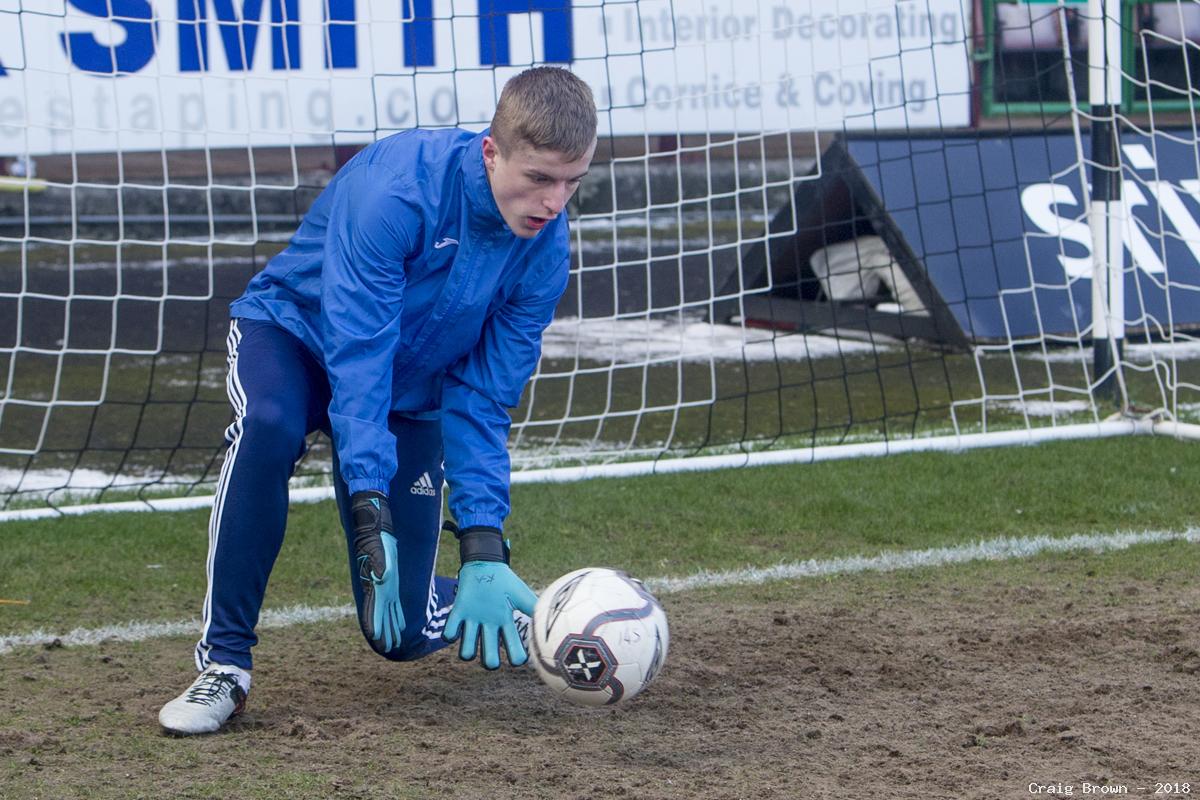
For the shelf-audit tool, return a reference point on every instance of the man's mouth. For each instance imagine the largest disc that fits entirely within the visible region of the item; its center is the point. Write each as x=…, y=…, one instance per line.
x=537, y=223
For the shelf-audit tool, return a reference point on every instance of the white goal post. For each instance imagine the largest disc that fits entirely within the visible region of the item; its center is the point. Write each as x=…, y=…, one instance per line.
x=813, y=229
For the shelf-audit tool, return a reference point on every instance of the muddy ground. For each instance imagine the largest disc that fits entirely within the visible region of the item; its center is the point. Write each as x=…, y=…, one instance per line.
x=1008, y=682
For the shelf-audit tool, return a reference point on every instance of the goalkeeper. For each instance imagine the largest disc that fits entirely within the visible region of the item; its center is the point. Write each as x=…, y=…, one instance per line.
x=403, y=318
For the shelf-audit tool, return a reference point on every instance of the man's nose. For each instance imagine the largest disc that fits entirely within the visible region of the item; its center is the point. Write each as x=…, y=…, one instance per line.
x=556, y=198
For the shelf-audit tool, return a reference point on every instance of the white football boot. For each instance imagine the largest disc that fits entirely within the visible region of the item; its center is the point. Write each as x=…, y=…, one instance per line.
x=216, y=696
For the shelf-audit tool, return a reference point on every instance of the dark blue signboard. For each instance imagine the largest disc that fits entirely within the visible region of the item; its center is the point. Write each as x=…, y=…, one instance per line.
x=995, y=227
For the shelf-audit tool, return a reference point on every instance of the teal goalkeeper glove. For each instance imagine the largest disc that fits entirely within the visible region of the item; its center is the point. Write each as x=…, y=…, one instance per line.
x=381, y=617
x=488, y=591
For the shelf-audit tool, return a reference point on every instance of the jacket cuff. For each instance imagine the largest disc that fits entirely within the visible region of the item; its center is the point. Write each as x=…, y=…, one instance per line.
x=368, y=485
x=474, y=520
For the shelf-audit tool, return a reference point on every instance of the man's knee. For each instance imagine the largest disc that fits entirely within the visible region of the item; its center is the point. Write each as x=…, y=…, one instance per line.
x=274, y=428
x=410, y=648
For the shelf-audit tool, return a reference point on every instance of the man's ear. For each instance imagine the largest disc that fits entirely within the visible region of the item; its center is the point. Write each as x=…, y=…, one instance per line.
x=490, y=151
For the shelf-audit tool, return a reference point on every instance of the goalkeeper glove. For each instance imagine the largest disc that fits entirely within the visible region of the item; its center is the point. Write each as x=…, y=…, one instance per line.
x=380, y=616
x=488, y=591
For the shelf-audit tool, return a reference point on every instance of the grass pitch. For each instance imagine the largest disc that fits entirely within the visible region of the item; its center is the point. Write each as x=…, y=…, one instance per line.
x=969, y=681
x=964, y=681
x=104, y=569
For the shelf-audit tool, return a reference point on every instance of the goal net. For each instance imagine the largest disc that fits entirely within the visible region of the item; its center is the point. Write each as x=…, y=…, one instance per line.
x=812, y=228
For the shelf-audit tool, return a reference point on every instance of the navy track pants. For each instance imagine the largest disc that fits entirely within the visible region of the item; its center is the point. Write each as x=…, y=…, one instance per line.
x=280, y=394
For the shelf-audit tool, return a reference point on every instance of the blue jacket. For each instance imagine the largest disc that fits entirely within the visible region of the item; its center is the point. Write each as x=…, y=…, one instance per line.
x=406, y=284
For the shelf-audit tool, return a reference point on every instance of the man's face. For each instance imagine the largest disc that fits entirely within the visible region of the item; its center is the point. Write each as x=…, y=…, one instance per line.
x=530, y=186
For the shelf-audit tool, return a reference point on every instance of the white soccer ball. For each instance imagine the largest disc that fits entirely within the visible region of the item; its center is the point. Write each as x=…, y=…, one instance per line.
x=598, y=637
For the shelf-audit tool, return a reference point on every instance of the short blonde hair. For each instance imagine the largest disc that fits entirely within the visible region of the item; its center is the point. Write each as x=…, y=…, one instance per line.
x=547, y=108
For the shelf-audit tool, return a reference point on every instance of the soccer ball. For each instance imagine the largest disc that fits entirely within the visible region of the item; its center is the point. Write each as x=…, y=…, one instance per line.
x=598, y=637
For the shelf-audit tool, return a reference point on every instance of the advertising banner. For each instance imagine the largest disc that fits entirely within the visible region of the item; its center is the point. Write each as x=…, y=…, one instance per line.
x=107, y=75
x=998, y=226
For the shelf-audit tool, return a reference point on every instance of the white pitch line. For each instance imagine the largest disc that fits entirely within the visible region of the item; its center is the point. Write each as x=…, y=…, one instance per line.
x=1002, y=549
x=141, y=631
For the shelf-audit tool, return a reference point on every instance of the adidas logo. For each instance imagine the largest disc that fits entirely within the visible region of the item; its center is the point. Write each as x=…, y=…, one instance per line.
x=423, y=486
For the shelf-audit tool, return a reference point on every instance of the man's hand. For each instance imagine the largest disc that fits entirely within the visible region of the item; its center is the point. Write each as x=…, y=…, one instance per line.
x=381, y=616
x=488, y=591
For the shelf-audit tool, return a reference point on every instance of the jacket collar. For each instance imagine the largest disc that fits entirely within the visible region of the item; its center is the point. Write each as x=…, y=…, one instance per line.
x=479, y=190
